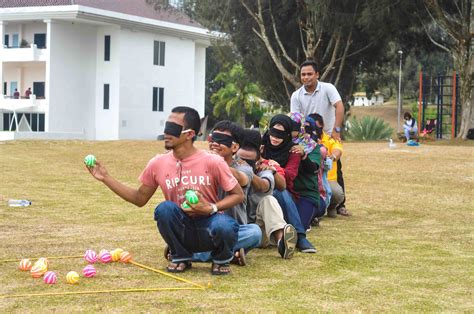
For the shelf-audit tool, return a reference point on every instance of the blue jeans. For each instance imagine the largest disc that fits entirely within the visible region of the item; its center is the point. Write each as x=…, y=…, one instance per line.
x=248, y=237
x=186, y=235
x=290, y=211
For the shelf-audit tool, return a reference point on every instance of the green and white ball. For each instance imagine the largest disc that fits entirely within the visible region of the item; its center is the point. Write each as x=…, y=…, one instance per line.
x=89, y=160
x=184, y=205
x=192, y=197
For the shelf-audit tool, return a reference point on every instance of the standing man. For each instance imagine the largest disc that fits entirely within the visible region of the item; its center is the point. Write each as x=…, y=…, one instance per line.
x=28, y=92
x=318, y=97
x=200, y=227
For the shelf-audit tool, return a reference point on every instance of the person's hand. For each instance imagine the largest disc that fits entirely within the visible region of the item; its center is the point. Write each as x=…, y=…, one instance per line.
x=202, y=208
x=98, y=171
x=298, y=149
x=328, y=164
x=335, y=135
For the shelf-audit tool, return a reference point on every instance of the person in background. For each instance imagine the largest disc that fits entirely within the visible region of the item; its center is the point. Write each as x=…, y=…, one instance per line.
x=409, y=126
x=28, y=92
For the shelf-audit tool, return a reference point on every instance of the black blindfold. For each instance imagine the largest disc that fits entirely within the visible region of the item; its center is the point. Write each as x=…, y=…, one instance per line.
x=221, y=138
x=173, y=129
x=278, y=133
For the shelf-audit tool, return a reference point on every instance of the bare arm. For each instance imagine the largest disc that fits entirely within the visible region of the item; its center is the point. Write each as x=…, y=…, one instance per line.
x=240, y=176
x=339, y=117
x=280, y=182
x=260, y=185
x=232, y=198
x=138, y=197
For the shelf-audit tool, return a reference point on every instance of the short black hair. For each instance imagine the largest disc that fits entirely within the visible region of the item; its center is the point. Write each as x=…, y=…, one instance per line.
x=252, y=139
x=317, y=117
x=232, y=127
x=191, y=118
x=407, y=115
x=311, y=63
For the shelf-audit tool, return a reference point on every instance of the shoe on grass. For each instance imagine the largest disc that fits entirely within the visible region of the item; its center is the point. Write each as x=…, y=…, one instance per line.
x=343, y=211
x=305, y=246
x=287, y=244
x=332, y=212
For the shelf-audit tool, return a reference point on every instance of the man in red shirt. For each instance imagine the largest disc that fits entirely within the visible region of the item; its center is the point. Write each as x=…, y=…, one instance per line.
x=197, y=227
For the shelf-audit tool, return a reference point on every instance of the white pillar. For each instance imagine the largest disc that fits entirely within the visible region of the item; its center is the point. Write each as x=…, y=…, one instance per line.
x=47, y=81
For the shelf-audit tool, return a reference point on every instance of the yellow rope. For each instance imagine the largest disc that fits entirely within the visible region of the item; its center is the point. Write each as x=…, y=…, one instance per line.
x=93, y=292
x=167, y=274
x=33, y=258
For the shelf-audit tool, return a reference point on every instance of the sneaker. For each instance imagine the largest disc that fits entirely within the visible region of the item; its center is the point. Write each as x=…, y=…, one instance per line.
x=315, y=222
x=287, y=244
x=305, y=246
x=343, y=211
x=332, y=212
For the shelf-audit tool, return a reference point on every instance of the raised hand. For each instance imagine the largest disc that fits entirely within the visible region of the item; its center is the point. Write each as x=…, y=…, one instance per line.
x=98, y=171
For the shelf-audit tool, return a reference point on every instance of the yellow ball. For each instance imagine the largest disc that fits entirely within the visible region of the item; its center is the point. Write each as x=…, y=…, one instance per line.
x=38, y=270
x=42, y=260
x=116, y=254
x=72, y=277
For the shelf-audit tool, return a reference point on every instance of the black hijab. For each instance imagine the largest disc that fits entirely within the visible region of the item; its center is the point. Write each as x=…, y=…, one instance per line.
x=279, y=153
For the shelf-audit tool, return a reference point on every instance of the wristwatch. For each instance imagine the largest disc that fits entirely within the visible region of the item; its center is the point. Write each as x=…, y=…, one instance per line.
x=214, y=209
x=338, y=130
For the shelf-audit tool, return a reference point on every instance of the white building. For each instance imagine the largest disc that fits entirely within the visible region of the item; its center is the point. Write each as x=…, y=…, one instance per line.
x=360, y=99
x=99, y=70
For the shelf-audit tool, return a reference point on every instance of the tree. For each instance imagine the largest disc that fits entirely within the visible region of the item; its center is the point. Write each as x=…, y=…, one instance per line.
x=238, y=96
x=451, y=32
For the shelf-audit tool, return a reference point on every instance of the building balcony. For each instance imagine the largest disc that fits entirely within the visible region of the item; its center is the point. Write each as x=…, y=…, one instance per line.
x=23, y=54
x=23, y=104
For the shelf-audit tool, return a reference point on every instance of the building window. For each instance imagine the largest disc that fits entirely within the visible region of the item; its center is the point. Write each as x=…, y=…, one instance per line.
x=35, y=120
x=159, y=53
x=6, y=40
x=107, y=48
x=40, y=40
x=106, y=96
x=158, y=94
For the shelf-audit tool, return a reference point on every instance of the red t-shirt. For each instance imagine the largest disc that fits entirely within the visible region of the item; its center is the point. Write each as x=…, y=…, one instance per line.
x=202, y=171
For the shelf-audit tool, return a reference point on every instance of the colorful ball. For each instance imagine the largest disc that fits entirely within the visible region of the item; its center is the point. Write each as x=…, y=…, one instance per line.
x=90, y=256
x=105, y=256
x=125, y=257
x=191, y=197
x=89, y=271
x=72, y=277
x=185, y=205
x=25, y=264
x=90, y=160
x=50, y=278
x=38, y=270
x=116, y=254
x=42, y=260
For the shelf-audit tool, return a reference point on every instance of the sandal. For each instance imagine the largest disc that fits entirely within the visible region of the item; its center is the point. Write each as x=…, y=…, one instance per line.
x=239, y=258
x=178, y=267
x=167, y=253
x=220, y=269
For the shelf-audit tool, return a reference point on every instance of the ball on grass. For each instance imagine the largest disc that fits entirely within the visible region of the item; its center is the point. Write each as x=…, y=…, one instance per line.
x=90, y=160
x=89, y=271
x=72, y=277
x=105, y=256
x=116, y=254
x=25, y=264
x=90, y=256
x=42, y=260
x=38, y=270
x=125, y=257
x=50, y=278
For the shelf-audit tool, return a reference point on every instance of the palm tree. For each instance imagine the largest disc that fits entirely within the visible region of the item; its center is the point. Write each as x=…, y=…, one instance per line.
x=237, y=97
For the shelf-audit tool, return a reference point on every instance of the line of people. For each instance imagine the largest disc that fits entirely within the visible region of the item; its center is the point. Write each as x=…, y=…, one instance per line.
x=254, y=191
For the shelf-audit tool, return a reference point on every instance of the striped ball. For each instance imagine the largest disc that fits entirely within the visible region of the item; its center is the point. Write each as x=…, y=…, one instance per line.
x=89, y=271
x=116, y=254
x=125, y=257
x=38, y=270
x=25, y=264
x=72, y=277
x=104, y=256
x=89, y=160
x=191, y=197
x=42, y=260
x=90, y=256
x=50, y=278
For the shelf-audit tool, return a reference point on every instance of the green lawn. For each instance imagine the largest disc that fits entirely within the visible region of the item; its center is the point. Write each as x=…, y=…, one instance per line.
x=408, y=247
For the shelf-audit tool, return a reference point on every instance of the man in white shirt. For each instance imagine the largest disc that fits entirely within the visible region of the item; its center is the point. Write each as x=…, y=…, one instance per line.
x=318, y=97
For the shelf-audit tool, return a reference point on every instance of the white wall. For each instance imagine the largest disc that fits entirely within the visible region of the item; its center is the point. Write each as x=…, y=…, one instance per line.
x=71, y=85
x=138, y=76
x=24, y=30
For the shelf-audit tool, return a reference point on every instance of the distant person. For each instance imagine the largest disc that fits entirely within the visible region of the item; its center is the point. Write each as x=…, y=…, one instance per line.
x=16, y=94
x=28, y=92
x=255, y=125
x=409, y=126
x=197, y=227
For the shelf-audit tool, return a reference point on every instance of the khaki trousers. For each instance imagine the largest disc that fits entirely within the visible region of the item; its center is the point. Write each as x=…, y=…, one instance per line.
x=269, y=218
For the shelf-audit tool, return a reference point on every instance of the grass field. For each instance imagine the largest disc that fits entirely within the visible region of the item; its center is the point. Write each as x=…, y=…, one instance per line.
x=408, y=247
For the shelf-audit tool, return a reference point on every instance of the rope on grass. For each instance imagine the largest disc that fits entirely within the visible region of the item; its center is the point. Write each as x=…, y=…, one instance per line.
x=33, y=258
x=93, y=292
x=166, y=274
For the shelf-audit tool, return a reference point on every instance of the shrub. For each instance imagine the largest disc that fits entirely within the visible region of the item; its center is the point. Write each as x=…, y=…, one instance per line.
x=368, y=129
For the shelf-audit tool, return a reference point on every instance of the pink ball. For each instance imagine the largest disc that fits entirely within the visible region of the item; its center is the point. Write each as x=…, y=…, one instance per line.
x=50, y=278
x=105, y=256
x=90, y=256
x=89, y=271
